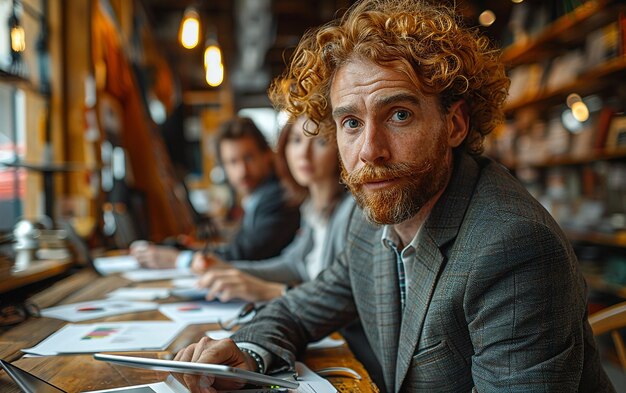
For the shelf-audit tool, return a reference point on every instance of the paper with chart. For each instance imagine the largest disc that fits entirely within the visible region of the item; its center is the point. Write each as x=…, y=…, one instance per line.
x=77, y=312
x=202, y=311
x=108, y=337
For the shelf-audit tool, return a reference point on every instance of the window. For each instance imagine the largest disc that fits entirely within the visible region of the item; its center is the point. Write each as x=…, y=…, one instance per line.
x=12, y=148
x=5, y=49
x=23, y=103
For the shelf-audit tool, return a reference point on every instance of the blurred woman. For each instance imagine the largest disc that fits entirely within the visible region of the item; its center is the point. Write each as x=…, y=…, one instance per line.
x=309, y=166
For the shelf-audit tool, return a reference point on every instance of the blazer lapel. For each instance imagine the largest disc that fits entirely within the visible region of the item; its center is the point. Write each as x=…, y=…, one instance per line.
x=440, y=228
x=420, y=286
x=387, y=309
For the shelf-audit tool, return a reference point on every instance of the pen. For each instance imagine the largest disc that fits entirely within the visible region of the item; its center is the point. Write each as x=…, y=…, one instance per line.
x=90, y=308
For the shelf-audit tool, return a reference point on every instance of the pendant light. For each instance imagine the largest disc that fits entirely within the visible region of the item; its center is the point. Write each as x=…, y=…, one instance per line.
x=189, y=32
x=213, y=65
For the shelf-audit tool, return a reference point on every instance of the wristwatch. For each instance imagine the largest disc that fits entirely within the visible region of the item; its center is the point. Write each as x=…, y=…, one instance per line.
x=260, y=364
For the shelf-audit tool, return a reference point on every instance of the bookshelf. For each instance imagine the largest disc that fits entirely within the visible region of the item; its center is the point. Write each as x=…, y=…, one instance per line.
x=598, y=79
x=568, y=160
x=572, y=169
x=567, y=31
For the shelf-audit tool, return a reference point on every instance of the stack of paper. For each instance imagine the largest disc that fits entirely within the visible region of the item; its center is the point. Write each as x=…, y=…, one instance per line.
x=108, y=337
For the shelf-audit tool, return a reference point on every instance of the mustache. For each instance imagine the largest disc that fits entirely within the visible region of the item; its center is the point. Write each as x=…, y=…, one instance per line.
x=375, y=173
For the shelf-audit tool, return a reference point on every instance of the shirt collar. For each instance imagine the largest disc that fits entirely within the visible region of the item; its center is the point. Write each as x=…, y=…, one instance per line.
x=390, y=238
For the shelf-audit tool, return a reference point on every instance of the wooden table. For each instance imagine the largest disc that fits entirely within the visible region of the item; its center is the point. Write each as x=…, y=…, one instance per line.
x=38, y=271
x=76, y=373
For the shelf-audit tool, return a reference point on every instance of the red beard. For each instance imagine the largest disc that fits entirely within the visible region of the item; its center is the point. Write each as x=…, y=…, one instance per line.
x=402, y=200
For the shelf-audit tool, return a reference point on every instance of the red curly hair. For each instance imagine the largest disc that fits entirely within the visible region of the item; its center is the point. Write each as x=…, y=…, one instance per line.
x=422, y=40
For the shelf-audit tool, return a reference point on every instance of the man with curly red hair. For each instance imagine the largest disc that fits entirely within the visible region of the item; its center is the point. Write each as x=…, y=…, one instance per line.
x=462, y=281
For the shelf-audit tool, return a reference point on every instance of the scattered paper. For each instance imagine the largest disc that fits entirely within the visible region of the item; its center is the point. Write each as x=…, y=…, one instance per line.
x=84, y=311
x=139, y=293
x=308, y=380
x=171, y=385
x=108, y=337
x=189, y=282
x=218, y=334
x=201, y=312
x=115, y=264
x=311, y=382
x=156, y=274
x=326, y=342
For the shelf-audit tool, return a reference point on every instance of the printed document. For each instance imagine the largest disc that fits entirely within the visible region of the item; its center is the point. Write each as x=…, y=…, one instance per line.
x=77, y=312
x=201, y=311
x=108, y=337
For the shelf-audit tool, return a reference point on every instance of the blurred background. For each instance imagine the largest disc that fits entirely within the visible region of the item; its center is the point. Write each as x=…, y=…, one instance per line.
x=108, y=110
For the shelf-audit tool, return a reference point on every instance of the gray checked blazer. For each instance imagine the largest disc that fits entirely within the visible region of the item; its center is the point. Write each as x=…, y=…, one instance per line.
x=495, y=300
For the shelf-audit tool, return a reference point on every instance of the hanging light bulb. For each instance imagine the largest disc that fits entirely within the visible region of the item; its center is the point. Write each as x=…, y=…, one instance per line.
x=215, y=75
x=18, y=37
x=213, y=66
x=212, y=55
x=189, y=33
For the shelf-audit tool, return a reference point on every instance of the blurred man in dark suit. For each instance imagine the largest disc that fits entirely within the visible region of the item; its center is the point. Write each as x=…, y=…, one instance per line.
x=270, y=220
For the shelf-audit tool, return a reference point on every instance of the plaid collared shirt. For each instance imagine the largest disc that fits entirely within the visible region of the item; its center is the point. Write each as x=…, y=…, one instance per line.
x=390, y=240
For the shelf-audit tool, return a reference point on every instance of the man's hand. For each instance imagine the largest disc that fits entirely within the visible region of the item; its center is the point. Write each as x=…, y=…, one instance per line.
x=223, y=352
x=228, y=284
x=202, y=263
x=153, y=256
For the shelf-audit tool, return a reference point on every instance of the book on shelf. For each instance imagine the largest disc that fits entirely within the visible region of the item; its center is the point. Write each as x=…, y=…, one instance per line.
x=557, y=138
x=526, y=81
x=616, y=138
x=582, y=141
x=565, y=69
x=602, y=128
x=601, y=45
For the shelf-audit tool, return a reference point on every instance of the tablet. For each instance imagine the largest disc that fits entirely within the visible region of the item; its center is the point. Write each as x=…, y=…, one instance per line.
x=216, y=370
x=27, y=381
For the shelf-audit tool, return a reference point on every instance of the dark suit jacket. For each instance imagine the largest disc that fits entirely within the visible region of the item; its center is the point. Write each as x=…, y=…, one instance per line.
x=494, y=300
x=267, y=228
